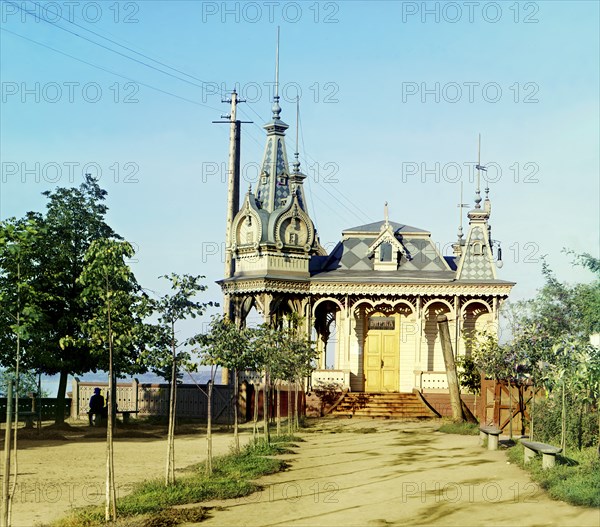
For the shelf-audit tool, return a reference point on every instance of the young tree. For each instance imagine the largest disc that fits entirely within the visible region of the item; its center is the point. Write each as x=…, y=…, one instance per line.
x=19, y=313
x=114, y=327
x=235, y=354
x=227, y=346
x=268, y=344
x=172, y=308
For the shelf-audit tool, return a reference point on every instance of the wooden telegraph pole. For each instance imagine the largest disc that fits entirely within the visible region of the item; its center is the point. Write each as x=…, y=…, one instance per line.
x=233, y=197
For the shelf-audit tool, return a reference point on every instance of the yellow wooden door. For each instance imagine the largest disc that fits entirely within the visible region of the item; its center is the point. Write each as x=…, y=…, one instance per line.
x=381, y=355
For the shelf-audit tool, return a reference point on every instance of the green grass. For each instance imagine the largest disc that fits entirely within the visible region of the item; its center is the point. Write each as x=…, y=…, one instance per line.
x=151, y=502
x=574, y=479
x=462, y=428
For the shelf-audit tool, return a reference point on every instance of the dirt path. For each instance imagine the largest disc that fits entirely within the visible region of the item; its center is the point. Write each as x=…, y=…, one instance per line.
x=400, y=474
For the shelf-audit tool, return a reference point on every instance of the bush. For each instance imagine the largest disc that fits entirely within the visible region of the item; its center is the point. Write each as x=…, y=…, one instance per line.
x=582, y=423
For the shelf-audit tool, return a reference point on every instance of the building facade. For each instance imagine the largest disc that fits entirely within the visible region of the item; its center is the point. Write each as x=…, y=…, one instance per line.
x=372, y=303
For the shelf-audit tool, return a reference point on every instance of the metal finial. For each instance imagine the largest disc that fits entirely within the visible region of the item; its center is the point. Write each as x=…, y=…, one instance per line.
x=461, y=206
x=276, y=107
x=296, y=153
x=479, y=168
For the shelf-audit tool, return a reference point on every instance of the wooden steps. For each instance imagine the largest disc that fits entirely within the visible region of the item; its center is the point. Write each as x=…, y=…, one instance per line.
x=383, y=406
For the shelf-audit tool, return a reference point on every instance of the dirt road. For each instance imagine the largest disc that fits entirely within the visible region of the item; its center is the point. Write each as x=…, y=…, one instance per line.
x=399, y=474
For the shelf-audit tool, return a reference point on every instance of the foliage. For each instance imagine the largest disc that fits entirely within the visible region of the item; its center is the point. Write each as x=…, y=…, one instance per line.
x=575, y=479
x=468, y=374
x=20, y=299
x=581, y=424
x=109, y=287
x=28, y=382
x=171, y=308
x=226, y=345
x=53, y=261
x=461, y=428
x=551, y=348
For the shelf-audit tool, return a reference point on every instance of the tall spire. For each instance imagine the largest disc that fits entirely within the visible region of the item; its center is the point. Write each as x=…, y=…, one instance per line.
x=276, y=107
x=461, y=206
x=296, y=152
x=273, y=186
x=480, y=169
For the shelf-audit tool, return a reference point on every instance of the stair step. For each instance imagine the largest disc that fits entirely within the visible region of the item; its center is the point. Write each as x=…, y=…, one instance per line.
x=382, y=405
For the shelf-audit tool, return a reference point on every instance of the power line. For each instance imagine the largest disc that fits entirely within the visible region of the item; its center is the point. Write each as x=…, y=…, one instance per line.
x=107, y=47
x=354, y=208
x=109, y=71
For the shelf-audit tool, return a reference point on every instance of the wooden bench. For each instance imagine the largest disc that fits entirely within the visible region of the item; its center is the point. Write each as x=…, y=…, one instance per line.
x=127, y=414
x=492, y=435
x=548, y=452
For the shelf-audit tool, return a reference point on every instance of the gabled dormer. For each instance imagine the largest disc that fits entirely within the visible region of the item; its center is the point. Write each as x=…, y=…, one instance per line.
x=387, y=250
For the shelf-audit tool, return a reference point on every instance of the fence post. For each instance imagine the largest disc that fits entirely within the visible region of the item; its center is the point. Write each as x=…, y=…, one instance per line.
x=135, y=386
x=75, y=399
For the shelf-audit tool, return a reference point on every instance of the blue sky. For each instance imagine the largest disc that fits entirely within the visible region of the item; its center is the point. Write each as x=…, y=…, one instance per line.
x=393, y=96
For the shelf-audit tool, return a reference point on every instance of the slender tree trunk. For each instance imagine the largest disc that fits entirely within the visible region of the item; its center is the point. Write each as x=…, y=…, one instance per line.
x=579, y=428
x=236, y=392
x=7, y=447
x=209, y=467
x=510, y=410
x=289, y=408
x=59, y=411
x=16, y=422
x=532, y=413
x=278, y=408
x=170, y=470
x=522, y=408
x=110, y=511
x=296, y=419
x=255, y=420
x=563, y=421
x=266, y=408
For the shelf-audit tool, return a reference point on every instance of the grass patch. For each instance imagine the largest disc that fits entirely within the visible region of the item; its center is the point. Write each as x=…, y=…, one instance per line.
x=461, y=428
x=574, y=479
x=151, y=502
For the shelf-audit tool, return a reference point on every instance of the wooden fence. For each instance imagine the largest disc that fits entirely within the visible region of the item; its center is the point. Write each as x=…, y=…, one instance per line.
x=497, y=398
x=47, y=406
x=153, y=400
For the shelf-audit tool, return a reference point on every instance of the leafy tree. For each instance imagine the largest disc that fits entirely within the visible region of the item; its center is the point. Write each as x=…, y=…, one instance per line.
x=19, y=311
x=74, y=218
x=231, y=349
x=163, y=356
x=224, y=345
x=550, y=345
x=113, y=328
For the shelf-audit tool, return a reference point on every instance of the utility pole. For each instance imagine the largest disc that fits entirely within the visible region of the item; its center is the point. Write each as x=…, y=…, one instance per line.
x=233, y=199
x=233, y=186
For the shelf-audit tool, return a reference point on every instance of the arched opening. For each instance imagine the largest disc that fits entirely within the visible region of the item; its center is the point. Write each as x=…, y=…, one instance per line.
x=434, y=358
x=477, y=318
x=326, y=333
